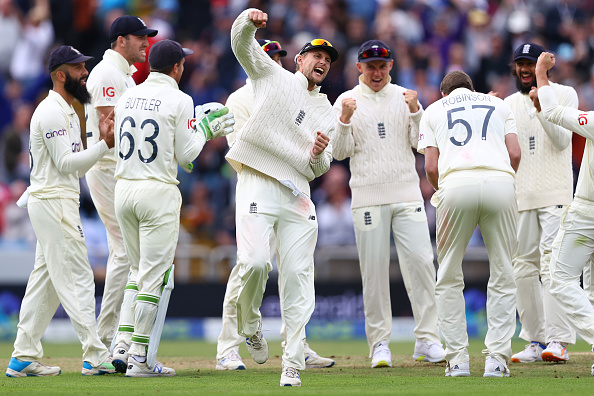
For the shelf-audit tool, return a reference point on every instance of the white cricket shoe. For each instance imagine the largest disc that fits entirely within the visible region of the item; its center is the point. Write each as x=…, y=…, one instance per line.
x=432, y=352
x=555, y=352
x=592, y=370
x=458, y=370
x=137, y=369
x=290, y=377
x=230, y=362
x=494, y=368
x=104, y=368
x=313, y=360
x=532, y=353
x=382, y=357
x=120, y=357
x=20, y=368
x=257, y=346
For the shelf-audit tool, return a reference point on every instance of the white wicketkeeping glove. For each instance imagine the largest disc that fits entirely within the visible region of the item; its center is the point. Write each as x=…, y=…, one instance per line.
x=214, y=120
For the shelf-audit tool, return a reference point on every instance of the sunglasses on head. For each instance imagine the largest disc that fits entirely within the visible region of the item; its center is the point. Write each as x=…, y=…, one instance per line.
x=317, y=42
x=271, y=46
x=375, y=53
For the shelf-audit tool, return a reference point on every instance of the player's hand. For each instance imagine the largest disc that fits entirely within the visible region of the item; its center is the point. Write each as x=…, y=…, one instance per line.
x=188, y=168
x=349, y=105
x=214, y=120
x=106, y=128
x=546, y=60
x=534, y=96
x=258, y=17
x=320, y=144
x=411, y=99
x=493, y=93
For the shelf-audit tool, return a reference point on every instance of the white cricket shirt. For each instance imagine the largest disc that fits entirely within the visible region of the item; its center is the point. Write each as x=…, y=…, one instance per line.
x=469, y=130
x=106, y=84
x=153, y=131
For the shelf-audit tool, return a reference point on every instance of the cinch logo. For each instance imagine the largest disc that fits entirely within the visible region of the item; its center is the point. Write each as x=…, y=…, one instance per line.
x=59, y=132
x=109, y=91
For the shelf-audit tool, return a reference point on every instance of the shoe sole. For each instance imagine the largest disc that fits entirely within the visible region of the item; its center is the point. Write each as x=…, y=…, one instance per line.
x=319, y=365
x=145, y=375
x=17, y=374
x=495, y=375
x=120, y=365
x=516, y=360
x=223, y=368
x=423, y=358
x=381, y=363
x=99, y=372
x=459, y=374
x=289, y=385
x=549, y=357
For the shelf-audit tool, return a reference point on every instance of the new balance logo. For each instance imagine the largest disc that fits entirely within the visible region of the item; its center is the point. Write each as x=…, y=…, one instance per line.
x=253, y=207
x=311, y=217
x=367, y=218
x=418, y=209
x=81, y=231
x=300, y=117
x=381, y=130
x=531, y=144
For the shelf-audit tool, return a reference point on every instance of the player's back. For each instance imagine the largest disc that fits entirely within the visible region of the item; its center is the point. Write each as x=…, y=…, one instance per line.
x=147, y=119
x=470, y=129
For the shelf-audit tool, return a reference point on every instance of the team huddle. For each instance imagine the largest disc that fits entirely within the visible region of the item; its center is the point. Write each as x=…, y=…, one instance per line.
x=483, y=156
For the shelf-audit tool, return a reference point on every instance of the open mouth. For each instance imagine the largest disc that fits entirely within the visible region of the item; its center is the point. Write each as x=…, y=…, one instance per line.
x=526, y=78
x=319, y=71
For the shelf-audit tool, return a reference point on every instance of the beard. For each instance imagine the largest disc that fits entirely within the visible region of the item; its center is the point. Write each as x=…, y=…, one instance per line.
x=76, y=89
x=525, y=89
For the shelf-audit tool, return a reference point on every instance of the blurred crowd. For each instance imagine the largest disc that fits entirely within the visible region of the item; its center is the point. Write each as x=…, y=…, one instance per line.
x=428, y=38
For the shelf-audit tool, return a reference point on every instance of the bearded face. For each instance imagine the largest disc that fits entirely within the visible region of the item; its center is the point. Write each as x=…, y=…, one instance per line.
x=77, y=88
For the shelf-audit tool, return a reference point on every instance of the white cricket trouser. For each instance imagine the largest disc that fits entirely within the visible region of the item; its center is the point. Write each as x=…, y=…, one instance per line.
x=573, y=248
x=102, y=183
x=541, y=316
x=465, y=201
x=264, y=205
x=62, y=274
x=408, y=223
x=148, y=213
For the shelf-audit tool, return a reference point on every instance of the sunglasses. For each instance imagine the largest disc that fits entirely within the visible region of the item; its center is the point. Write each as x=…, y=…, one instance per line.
x=271, y=46
x=375, y=53
x=317, y=42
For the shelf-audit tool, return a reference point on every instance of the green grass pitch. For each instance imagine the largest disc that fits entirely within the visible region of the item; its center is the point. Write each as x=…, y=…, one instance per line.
x=194, y=362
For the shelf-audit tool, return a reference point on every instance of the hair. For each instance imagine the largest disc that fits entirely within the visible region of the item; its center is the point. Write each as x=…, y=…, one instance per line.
x=115, y=42
x=62, y=68
x=165, y=70
x=455, y=79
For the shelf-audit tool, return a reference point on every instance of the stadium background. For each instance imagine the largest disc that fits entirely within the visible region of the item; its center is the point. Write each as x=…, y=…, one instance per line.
x=428, y=38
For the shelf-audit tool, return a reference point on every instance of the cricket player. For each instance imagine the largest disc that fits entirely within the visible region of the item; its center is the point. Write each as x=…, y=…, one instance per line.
x=107, y=82
x=573, y=246
x=282, y=147
x=471, y=153
x=62, y=273
x=544, y=187
x=377, y=123
x=155, y=124
x=241, y=103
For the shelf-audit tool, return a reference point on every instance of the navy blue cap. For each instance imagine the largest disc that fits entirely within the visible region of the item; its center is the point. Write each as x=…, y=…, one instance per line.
x=166, y=53
x=129, y=24
x=528, y=51
x=374, y=50
x=272, y=48
x=65, y=54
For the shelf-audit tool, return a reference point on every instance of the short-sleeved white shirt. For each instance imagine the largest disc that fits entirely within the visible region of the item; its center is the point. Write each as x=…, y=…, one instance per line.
x=469, y=130
x=106, y=83
x=154, y=131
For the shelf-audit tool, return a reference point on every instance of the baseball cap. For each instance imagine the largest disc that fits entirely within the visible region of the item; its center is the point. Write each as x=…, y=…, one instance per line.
x=167, y=53
x=272, y=47
x=374, y=50
x=528, y=51
x=65, y=54
x=129, y=24
x=322, y=45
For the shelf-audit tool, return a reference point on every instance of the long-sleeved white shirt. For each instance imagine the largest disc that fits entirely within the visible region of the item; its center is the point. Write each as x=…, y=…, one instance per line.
x=56, y=154
x=241, y=104
x=379, y=140
x=544, y=177
x=278, y=138
x=153, y=127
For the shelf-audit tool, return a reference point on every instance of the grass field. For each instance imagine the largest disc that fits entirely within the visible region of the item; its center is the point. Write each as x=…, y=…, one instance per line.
x=194, y=363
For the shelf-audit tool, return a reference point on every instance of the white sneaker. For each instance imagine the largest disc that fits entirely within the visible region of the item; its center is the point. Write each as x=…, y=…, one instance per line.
x=458, y=370
x=532, y=353
x=382, y=357
x=137, y=369
x=120, y=357
x=592, y=370
x=20, y=368
x=290, y=377
x=104, y=368
x=429, y=352
x=555, y=352
x=494, y=368
x=257, y=346
x=313, y=360
x=230, y=362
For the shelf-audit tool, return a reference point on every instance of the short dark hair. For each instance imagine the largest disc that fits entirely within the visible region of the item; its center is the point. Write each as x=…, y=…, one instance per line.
x=455, y=79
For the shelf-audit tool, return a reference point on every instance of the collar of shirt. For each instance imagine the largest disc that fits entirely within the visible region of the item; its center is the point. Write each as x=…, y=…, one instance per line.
x=119, y=61
x=366, y=89
x=161, y=78
x=305, y=82
x=56, y=97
